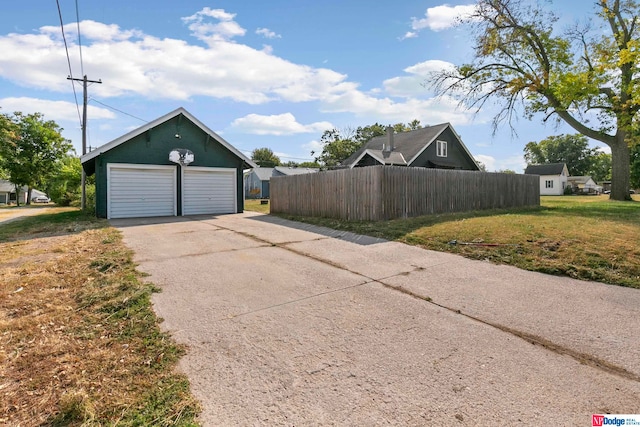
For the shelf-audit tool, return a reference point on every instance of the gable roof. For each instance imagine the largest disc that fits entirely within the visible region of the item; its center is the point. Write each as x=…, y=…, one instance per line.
x=124, y=138
x=545, y=169
x=285, y=170
x=408, y=144
x=263, y=174
x=9, y=187
x=580, y=179
x=383, y=157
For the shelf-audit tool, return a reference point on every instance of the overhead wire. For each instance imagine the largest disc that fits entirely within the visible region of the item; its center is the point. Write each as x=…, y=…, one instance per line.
x=66, y=47
x=119, y=111
x=79, y=38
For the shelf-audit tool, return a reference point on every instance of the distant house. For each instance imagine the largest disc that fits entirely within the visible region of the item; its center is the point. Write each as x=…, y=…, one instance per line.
x=553, y=177
x=8, y=193
x=256, y=182
x=583, y=185
x=436, y=146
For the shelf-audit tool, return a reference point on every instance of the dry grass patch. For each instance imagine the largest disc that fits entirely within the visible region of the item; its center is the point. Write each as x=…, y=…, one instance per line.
x=79, y=343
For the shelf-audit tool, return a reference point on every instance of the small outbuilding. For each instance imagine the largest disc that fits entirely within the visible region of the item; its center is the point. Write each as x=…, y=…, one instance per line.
x=174, y=165
x=553, y=177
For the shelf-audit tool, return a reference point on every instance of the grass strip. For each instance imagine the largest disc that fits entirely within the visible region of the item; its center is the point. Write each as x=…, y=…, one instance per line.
x=79, y=341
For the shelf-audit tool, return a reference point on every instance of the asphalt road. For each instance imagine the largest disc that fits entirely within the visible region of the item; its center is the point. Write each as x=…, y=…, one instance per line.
x=290, y=324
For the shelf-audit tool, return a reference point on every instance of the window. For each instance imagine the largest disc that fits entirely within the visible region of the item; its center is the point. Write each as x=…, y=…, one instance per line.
x=548, y=183
x=441, y=148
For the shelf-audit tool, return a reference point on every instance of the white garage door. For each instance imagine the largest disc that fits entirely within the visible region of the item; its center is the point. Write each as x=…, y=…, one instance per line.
x=208, y=190
x=140, y=190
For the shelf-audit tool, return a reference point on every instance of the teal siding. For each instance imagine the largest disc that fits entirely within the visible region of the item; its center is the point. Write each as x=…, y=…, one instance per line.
x=153, y=147
x=456, y=155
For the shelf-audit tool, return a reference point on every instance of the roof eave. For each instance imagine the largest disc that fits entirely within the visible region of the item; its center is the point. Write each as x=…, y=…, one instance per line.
x=126, y=137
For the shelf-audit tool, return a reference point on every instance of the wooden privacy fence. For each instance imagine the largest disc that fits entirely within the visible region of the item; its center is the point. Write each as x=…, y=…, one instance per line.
x=387, y=192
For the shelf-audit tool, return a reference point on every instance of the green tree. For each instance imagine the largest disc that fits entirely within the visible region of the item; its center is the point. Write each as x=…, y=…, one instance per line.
x=570, y=149
x=308, y=164
x=265, y=158
x=586, y=77
x=338, y=145
x=600, y=169
x=482, y=166
x=8, y=133
x=31, y=152
x=64, y=185
x=509, y=171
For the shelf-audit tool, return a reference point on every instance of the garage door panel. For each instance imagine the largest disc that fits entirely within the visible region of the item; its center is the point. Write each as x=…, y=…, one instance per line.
x=209, y=191
x=141, y=192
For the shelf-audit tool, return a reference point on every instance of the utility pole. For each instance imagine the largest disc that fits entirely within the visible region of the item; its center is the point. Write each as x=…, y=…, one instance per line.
x=84, y=81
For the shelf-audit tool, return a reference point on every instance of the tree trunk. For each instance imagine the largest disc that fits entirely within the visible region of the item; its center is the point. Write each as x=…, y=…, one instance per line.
x=28, y=201
x=620, y=169
x=17, y=195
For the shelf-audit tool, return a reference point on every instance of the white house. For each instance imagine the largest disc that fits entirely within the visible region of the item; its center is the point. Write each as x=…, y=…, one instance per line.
x=553, y=177
x=8, y=193
x=584, y=184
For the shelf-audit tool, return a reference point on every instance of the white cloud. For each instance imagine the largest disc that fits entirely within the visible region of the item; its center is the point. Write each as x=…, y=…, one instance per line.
x=442, y=17
x=277, y=124
x=413, y=84
x=223, y=30
x=267, y=33
x=313, y=146
x=52, y=110
x=514, y=163
x=165, y=68
x=409, y=35
x=132, y=63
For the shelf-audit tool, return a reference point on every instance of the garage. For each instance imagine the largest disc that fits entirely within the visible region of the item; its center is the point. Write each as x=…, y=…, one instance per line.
x=141, y=191
x=172, y=166
x=208, y=191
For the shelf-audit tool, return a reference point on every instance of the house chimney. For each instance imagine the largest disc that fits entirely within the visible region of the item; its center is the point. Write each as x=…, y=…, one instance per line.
x=390, y=146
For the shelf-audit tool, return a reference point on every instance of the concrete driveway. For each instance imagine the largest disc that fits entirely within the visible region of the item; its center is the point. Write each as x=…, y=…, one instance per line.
x=290, y=324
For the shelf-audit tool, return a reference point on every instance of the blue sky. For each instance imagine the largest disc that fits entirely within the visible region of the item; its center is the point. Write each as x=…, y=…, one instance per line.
x=261, y=74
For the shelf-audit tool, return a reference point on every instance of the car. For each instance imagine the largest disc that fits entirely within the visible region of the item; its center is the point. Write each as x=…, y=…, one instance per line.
x=41, y=199
x=609, y=192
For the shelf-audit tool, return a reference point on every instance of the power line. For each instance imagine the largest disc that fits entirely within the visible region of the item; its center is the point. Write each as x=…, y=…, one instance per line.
x=79, y=38
x=66, y=48
x=119, y=111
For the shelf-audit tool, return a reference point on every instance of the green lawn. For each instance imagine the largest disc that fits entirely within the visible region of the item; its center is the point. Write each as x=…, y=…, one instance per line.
x=256, y=206
x=585, y=237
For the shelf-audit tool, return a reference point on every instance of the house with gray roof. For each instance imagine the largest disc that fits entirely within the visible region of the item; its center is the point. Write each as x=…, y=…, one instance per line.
x=436, y=146
x=553, y=177
x=256, y=180
x=8, y=193
x=584, y=185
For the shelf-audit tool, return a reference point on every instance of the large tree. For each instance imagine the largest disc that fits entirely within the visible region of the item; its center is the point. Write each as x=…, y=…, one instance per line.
x=586, y=77
x=635, y=167
x=338, y=145
x=265, y=157
x=31, y=150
